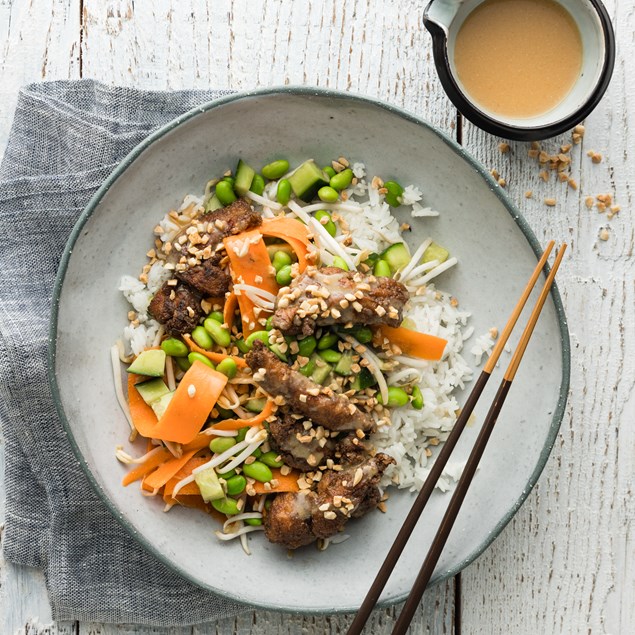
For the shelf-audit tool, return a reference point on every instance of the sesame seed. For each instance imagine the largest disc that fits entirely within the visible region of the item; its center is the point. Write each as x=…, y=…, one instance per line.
x=191, y=391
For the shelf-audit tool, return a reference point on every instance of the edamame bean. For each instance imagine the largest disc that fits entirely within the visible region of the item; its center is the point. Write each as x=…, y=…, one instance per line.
x=283, y=277
x=229, y=179
x=417, y=398
x=280, y=259
x=329, y=170
x=254, y=522
x=225, y=193
x=236, y=485
x=241, y=345
x=330, y=356
x=227, y=506
x=263, y=336
x=362, y=334
x=228, y=367
x=226, y=475
x=202, y=338
x=283, y=192
x=257, y=453
x=218, y=332
x=174, y=347
x=327, y=341
x=340, y=263
x=307, y=346
x=396, y=397
x=382, y=269
x=271, y=459
x=255, y=405
x=258, y=471
x=258, y=184
x=242, y=433
x=224, y=412
x=221, y=444
x=328, y=224
x=394, y=193
x=328, y=194
x=217, y=315
x=308, y=368
x=342, y=180
x=275, y=348
x=199, y=357
x=275, y=169
x=183, y=363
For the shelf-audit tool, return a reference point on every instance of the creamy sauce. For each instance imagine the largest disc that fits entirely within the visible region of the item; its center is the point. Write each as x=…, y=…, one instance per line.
x=518, y=58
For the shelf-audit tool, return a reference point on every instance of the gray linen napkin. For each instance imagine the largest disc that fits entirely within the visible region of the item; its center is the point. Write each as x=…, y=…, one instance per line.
x=66, y=138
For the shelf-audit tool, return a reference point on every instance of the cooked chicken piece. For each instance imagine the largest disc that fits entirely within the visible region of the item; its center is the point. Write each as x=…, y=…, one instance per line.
x=297, y=519
x=330, y=295
x=301, y=451
x=208, y=279
x=303, y=396
x=350, y=493
x=288, y=521
x=297, y=448
x=233, y=219
x=177, y=307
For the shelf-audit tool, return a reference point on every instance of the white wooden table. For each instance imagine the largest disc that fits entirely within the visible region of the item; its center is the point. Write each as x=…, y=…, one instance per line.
x=566, y=563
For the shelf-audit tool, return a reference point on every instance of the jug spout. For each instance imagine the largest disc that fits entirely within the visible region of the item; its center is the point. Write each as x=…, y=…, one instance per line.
x=439, y=14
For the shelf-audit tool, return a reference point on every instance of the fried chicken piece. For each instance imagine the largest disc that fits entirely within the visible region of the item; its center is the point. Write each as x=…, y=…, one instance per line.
x=177, y=307
x=329, y=295
x=301, y=451
x=304, y=396
x=284, y=436
x=297, y=519
x=208, y=279
x=349, y=493
x=288, y=521
x=237, y=217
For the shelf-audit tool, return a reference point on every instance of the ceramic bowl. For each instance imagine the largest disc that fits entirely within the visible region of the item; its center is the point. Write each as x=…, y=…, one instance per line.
x=497, y=252
x=444, y=18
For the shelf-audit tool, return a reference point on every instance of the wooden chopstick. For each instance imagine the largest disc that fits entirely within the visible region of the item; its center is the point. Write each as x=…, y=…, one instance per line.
x=465, y=481
x=437, y=467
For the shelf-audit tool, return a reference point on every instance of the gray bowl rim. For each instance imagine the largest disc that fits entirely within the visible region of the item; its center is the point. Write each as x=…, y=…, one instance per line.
x=331, y=94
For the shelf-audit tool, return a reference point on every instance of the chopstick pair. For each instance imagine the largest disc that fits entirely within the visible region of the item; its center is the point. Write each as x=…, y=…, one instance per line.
x=463, y=485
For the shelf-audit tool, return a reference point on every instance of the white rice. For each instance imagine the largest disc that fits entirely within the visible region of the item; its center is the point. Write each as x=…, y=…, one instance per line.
x=413, y=431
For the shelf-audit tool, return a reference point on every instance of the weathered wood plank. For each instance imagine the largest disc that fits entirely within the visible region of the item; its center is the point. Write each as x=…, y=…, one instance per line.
x=39, y=40
x=565, y=563
x=375, y=48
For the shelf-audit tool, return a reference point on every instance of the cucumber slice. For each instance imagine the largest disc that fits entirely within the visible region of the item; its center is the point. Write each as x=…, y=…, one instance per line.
x=208, y=483
x=213, y=204
x=150, y=363
x=152, y=390
x=307, y=180
x=161, y=405
x=343, y=367
x=397, y=256
x=322, y=369
x=244, y=177
x=435, y=252
x=364, y=380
